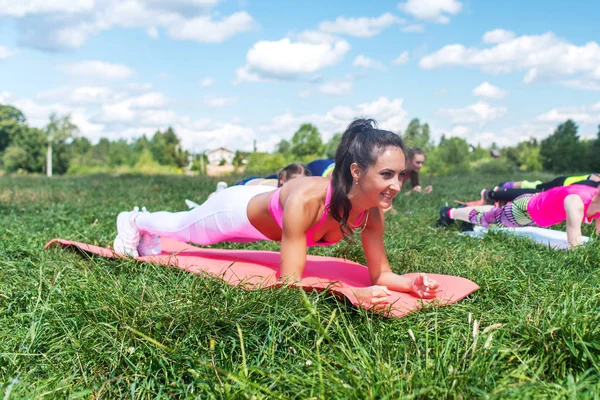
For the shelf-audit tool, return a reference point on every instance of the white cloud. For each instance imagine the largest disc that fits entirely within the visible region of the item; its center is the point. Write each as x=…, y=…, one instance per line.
x=361, y=27
x=498, y=36
x=413, y=28
x=304, y=94
x=220, y=101
x=459, y=131
x=71, y=24
x=316, y=37
x=489, y=91
x=582, y=84
x=365, y=62
x=284, y=59
x=24, y=7
x=480, y=112
x=204, y=30
x=5, y=97
x=539, y=55
x=132, y=109
x=83, y=95
x=389, y=113
x=580, y=114
x=182, y=6
x=336, y=88
x=431, y=10
x=5, y=52
x=401, y=59
x=98, y=69
x=152, y=32
x=207, y=82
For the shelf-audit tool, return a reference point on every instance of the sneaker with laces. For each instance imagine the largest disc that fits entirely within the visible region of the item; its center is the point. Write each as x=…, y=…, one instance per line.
x=444, y=219
x=128, y=235
x=149, y=243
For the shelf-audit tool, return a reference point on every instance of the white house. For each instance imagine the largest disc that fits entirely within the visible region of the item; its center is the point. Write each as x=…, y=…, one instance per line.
x=216, y=157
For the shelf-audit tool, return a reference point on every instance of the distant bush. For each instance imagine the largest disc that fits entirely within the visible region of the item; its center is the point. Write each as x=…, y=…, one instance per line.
x=497, y=166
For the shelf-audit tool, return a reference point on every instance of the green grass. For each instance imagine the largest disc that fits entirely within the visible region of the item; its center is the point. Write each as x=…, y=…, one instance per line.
x=72, y=326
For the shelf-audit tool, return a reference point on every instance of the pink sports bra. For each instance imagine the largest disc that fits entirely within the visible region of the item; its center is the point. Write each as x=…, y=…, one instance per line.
x=277, y=213
x=547, y=208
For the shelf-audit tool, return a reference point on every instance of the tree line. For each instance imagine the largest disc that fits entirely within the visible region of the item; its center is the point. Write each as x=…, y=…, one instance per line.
x=58, y=148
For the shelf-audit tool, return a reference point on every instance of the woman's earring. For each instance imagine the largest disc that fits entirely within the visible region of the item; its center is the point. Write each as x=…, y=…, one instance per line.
x=356, y=182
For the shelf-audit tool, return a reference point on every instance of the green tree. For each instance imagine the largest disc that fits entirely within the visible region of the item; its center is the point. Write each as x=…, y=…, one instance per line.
x=12, y=121
x=594, y=154
x=332, y=145
x=264, y=163
x=100, y=152
x=450, y=157
x=526, y=156
x=140, y=146
x=561, y=152
x=417, y=135
x=33, y=142
x=118, y=153
x=307, y=141
x=57, y=130
x=14, y=159
x=283, y=147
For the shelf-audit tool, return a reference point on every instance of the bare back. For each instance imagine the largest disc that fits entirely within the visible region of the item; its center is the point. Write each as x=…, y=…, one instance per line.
x=306, y=197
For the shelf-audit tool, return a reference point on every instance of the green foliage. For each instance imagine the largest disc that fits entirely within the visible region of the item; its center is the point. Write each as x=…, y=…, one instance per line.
x=263, y=164
x=562, y=152
x=450, y=157
x=166, y=149
x=594, y=153
x=12, y=121
x=283, y=147
x=494, y=166
x=147, y=165
x=118, y=153
x=479, y=153
x=14, y=159
x=332, y=145
x=307, y=141
x=526, y=156
x=33, y=142
x=417, y=135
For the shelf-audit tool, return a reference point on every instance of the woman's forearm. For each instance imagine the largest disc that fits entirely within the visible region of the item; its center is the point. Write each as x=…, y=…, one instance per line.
x=394, y=282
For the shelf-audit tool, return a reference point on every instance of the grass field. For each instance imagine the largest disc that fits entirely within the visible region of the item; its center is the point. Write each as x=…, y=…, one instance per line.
x=78, y=327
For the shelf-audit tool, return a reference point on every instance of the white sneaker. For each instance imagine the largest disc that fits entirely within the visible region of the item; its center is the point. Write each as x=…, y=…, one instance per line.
x=221, y=186
x=191, y=204
x=149, y=243
x=128, y=235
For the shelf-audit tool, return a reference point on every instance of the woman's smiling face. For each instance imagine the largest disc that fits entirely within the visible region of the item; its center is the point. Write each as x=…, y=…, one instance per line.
x=383, y=180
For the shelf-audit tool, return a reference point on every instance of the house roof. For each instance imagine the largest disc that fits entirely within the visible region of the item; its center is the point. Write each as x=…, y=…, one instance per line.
x=219, y=149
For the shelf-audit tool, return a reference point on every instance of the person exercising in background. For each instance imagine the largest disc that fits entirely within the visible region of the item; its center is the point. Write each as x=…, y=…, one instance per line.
x=415, y=159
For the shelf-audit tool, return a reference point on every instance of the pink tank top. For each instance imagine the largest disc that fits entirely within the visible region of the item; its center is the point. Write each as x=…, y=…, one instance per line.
x=277, y=213
x=548, y=208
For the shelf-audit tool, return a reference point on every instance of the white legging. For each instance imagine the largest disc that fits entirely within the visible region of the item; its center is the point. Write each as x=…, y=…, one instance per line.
x=222, y=218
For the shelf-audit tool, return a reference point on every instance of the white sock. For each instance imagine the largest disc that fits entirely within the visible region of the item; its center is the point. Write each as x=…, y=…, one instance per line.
x=451, y=213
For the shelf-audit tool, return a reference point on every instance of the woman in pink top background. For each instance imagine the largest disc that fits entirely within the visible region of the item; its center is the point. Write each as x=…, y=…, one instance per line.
x=369, y=167
x=574, y=204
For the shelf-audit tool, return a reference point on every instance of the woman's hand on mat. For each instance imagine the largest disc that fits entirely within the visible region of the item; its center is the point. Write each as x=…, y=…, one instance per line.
x=425, y=287
x=375, y=295
x=429, y=189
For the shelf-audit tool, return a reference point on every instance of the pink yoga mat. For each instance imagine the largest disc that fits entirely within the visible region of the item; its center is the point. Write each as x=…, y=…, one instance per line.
x=255, y=269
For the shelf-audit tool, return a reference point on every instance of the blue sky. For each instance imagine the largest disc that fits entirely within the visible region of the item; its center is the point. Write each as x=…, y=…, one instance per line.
x=228, y=72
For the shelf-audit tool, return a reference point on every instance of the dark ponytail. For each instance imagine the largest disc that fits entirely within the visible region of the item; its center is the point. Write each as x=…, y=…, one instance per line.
x=361, y=143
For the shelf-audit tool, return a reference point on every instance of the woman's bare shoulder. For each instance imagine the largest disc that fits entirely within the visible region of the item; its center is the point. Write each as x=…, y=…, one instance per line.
x=306, y=190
